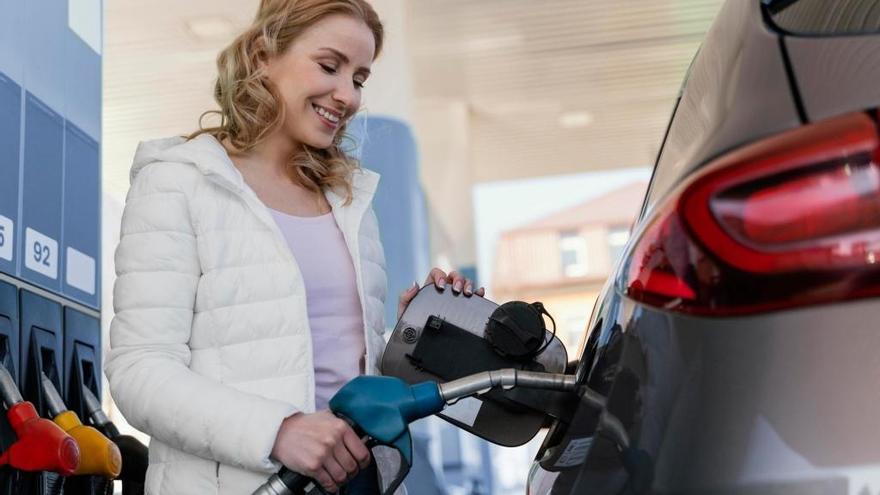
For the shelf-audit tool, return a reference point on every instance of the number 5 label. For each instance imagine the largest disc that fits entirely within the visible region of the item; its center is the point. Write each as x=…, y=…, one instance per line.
x=41, y=253
x=7, y=229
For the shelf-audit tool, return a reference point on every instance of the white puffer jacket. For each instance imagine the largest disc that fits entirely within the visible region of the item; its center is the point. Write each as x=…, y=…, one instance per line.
x=210, y=345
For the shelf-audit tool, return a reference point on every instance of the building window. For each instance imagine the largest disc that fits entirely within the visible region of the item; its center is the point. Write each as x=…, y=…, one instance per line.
x=573, y=331
x=573, y=253
x=617, y=237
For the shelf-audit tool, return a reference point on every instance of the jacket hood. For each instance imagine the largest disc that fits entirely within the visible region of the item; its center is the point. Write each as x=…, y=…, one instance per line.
x=204, y=152
x=210, y=157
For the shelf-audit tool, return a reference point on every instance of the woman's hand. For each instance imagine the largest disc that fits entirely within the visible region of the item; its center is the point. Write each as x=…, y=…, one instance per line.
x=440, y=279
x=322, y=447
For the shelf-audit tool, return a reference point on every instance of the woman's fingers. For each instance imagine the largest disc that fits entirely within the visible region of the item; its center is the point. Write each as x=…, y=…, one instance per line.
x=437, y=277
x=405, y=298
x=337, y=472
x=359, y=452
x=326, y=481
x=469, y=289
x=321, y=446
x=457, y=280
x=350, y=455
x=459, y=283
x=346, y=461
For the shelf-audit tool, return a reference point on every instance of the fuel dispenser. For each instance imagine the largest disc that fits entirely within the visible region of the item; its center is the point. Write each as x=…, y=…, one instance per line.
x=82, y=365
x=50, y=221
x=100, y=459
x=82, y=359
x=41, y=352
x=9, y=359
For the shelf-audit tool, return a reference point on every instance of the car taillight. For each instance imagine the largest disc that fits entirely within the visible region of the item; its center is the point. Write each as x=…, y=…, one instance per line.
x=788, y=221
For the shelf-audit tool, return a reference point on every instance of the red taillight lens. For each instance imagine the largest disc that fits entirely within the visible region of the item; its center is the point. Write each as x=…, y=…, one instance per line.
x=841, y=198
x=791, y=220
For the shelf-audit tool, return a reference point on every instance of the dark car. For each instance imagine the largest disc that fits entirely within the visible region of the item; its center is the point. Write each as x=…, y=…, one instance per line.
x=736, y=346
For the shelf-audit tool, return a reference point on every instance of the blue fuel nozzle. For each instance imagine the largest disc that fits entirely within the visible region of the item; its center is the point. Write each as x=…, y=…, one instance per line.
x=382, y=407
x=426, y=401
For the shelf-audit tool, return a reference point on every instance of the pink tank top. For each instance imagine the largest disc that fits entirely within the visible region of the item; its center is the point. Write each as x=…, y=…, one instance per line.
x=333, y=304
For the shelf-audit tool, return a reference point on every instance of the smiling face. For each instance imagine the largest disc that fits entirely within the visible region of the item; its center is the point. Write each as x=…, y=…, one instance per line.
x=320, y=77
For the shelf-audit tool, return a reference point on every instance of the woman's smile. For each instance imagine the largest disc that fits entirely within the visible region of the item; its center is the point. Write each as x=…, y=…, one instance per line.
x=328, y=117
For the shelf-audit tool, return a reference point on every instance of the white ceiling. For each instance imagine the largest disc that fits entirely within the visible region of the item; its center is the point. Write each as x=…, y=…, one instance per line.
x=513, y=66
x=158, y=77
x=491, y=80
x=518, y=65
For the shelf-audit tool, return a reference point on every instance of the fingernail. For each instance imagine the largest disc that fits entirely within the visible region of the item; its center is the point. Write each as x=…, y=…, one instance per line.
x=468, y=290
x=441, y=284
x=457, y=287
x=415, y=285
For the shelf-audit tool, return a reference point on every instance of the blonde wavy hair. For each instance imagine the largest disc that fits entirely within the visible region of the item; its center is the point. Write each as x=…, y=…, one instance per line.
x=251, y=108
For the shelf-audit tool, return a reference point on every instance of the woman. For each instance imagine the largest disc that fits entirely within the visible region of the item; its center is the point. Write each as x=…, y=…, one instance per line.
x=251, y=279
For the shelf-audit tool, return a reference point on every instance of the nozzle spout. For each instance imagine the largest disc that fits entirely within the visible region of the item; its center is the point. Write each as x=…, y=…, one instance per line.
x=54, y=402
x=93, y=406
x=506, y=379
x=8, y=389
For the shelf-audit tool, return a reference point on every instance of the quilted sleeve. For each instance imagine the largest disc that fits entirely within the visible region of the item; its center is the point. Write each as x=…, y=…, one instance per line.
x=157, y=269
x=375, y=288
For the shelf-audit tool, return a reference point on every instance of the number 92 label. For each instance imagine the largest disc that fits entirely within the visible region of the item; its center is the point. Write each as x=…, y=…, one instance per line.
x=41, y=253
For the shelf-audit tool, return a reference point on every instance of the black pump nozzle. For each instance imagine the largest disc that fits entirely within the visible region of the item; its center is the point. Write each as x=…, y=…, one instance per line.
x=135, y=456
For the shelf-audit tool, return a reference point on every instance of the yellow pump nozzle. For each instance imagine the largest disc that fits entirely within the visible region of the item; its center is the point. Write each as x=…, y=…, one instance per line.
x=99, y=456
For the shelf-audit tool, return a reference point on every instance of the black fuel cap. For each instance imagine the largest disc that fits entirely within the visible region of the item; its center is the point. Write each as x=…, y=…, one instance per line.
x=516, y=329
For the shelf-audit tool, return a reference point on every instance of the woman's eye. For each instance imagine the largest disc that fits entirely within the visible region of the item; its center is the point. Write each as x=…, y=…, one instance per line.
x=359, y=84
x=328, y=69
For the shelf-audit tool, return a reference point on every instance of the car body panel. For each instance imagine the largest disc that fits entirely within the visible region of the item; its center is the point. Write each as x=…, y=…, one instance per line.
x=784, y=402
x=836, y=75
x=737, y=91
x=733, y=405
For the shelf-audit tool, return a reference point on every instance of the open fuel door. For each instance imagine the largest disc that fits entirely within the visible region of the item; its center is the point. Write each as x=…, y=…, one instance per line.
x=443, y=336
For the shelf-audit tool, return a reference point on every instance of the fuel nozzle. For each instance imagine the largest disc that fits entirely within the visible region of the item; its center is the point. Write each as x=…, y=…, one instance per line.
x=100, y=456
x=505, y=379
x=41, y=444
x=382, y=407
x=134, y=453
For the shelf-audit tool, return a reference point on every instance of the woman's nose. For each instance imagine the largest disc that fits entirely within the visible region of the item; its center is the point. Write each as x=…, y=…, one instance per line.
x=348, y=96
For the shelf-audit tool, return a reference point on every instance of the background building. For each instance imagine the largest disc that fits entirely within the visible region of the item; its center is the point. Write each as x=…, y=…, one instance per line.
x=564, y=258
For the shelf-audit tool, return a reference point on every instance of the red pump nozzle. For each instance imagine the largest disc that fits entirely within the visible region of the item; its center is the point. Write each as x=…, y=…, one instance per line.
x=41, y=444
